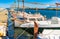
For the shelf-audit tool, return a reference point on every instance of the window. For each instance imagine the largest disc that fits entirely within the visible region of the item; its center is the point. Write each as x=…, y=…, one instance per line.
x=39, y=19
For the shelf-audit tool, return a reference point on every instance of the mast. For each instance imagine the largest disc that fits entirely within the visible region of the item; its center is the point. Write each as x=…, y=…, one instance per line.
x=15, y=4
x=57, y=4
x=23, y=10
x=18, y=5
x=23, y=5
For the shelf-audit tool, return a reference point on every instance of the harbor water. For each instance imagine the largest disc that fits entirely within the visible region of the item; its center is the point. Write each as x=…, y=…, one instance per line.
x=48, y=13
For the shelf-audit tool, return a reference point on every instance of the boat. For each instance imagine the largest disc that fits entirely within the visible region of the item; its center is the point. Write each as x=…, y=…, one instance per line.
x=54, y=22
x=23, y=17
x=46, y=33
x=27, y=18
x=49, y=34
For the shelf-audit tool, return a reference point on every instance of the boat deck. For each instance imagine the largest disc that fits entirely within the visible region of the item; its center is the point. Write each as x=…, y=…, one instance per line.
x=41, y=26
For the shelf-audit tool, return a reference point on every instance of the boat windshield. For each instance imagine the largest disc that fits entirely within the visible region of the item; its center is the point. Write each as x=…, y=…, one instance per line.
x=32, y=19
x=21, y=18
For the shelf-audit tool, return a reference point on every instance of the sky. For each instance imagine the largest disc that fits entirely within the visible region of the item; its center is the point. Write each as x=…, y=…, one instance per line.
x=9, y=3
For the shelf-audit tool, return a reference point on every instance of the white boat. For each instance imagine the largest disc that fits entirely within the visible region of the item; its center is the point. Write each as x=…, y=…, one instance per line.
x=24, y=17
x=54, y=22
